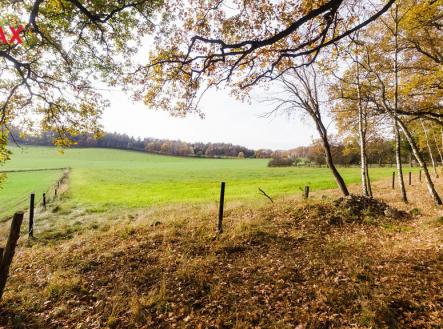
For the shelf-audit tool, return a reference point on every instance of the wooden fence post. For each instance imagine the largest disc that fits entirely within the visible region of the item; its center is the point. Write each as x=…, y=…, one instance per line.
x=306, y=194
x=420, y=176
x=8, y=252
x=44, y=200
x=410, y=178
x=31, y=215
x=220, y=210
x=393, y=180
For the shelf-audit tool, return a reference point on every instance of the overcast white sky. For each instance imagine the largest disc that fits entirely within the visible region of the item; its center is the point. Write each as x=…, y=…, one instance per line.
x=227, y=120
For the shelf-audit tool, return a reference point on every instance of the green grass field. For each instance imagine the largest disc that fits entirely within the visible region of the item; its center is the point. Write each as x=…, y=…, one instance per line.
x=14, y=194
x=105, y=178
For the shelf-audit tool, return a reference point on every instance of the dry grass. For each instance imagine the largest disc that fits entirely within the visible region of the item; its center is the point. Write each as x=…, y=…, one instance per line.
x=277, y=266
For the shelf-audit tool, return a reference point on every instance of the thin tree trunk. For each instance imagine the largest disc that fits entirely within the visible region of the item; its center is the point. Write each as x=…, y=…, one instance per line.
x=429, y=148
x=396, y=130
x=438, y=148
x=308, y=100
x=441, y=132
x=399, y=163
x=328, y=155
x=362, y=125
x=368, y=179
x=338, y=178
x=363, y=165
x=422, y=163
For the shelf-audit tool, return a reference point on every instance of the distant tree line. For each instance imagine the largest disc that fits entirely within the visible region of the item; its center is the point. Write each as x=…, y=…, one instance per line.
x=345, y=152
x=151, y=145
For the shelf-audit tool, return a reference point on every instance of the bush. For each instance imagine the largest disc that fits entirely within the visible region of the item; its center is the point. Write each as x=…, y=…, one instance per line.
x=280, y=162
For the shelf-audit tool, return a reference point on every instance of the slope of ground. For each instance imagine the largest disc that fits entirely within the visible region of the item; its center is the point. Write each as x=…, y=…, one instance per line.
x=314, y=264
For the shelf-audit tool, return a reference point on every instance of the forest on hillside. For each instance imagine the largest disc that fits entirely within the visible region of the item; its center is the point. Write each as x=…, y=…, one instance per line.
x=345, y=152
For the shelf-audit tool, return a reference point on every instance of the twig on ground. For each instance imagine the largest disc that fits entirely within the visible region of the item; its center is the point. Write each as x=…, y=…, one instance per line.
x=266, y=195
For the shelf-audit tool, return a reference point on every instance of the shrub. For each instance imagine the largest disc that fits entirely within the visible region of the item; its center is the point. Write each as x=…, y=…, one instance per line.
x=280, y=162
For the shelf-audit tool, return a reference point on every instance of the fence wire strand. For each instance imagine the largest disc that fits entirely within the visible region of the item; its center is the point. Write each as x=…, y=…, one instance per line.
x=21, y=204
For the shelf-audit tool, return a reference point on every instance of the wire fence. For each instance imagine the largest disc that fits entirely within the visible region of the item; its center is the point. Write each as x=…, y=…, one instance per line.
x=8, y=208
x=29, y=170
x=56, y=190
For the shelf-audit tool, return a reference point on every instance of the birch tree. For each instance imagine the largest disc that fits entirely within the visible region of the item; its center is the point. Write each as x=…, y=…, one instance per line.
x=300, y=92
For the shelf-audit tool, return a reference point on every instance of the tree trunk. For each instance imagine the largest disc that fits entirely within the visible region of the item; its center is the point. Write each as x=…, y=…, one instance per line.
x=340, y=181
x=429, y=148
x=363, y=164
x=441, y=132
x=362, y=125
x=368, y=184
x=363, y=169
x=396, y=130
x=399, y=163
x=328, y=155
x=362, y=135
x=437, y=147
x=422, y=163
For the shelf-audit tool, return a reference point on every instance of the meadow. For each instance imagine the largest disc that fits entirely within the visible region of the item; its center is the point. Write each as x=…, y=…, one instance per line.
x=114, y=179
x=14, y=194
x=131, y=243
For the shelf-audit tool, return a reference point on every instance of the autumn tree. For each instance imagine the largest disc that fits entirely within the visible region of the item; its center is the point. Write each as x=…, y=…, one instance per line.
x=423, y=28
x=240, y=44
x=418, y=78
x=401, y=83
x=394, y=91
x=393, y=30
x=63, y=49
x=300, y=92
x=425, y=133
x=351, y=108
x=429, y=147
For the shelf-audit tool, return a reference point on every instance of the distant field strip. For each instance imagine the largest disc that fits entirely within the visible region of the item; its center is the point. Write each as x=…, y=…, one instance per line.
x=107, y=178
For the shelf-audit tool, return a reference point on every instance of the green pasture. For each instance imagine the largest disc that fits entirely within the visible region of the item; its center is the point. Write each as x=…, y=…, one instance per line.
x=105, y=178
x=15, y=191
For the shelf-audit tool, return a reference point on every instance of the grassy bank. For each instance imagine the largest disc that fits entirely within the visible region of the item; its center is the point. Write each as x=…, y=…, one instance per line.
x=306, y=264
